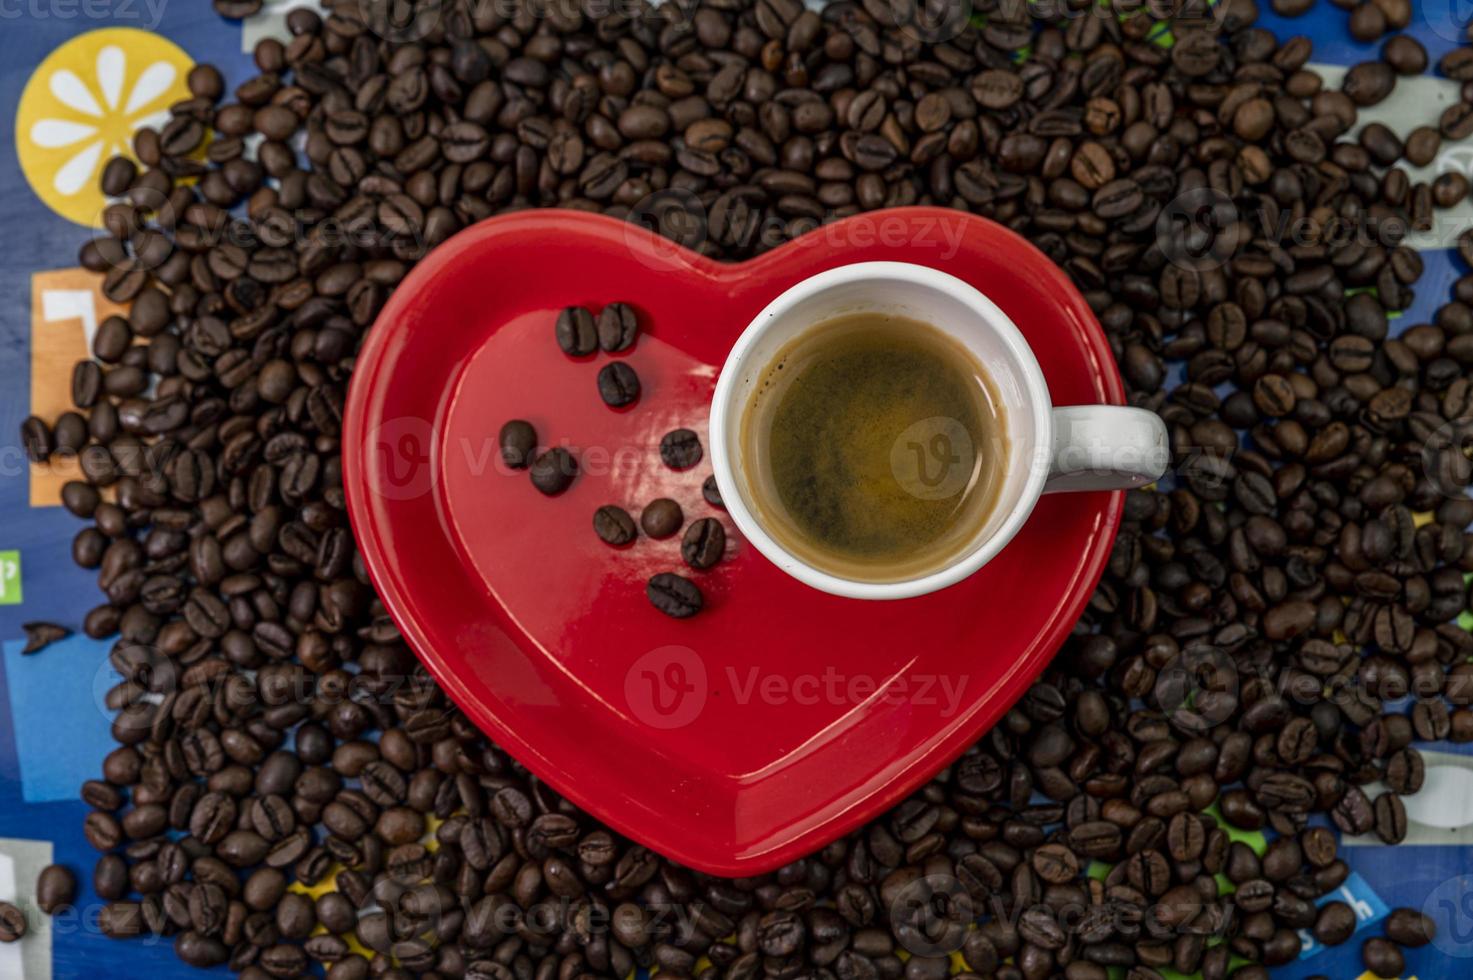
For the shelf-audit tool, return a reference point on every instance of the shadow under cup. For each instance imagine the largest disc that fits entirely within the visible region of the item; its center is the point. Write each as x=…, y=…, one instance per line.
x=915, y=293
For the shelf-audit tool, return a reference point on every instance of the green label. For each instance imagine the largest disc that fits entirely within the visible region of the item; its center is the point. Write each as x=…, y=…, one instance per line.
x=9, y=578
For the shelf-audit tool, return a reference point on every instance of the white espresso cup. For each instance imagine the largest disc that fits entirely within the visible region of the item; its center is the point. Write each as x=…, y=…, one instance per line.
x=1048, y=449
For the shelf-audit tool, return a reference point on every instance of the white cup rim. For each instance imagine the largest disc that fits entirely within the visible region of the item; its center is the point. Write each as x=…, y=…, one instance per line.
x=727, y=408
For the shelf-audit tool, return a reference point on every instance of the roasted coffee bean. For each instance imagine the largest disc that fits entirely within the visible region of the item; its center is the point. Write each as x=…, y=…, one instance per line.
x=39, y=636
x=86, y=384
x=102, y=830
x=614, y=526
x=618, y=385
x=712, y=493
x=201, y=952
x=1368, y=83
x=12, y=923
x=704, y=543
x=1382, y=958
x=1404, y=54
x=121, y=920
x=237, y=9
x=69, y=434
x=1456, y=121
x=1409, y=928
x=110, y=877
x=553, y=471
x=1334, y=924
x=1056, y=864
x=1422, y=145
x=56, y=888
x=661, y=518
x=618, y=326
x=80, y=498
x=675, y=596
x=576, y=334
x=518, y=442
x=118, y=176
x=1367, y=22
x=680, y=449
x=1391, y=818
x=35, y=436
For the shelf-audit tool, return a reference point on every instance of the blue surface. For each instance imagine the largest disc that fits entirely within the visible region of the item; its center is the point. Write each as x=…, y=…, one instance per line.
x=55, y=589
x=59, y=715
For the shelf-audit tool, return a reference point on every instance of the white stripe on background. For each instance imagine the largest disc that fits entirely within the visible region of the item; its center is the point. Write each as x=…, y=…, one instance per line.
x=1441, y=814
x=1414, y=102
x=271, y=22
x=10, y=961
x=21, y=862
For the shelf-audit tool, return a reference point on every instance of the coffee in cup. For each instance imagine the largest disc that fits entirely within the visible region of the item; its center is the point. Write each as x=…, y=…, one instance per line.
x=878, y=443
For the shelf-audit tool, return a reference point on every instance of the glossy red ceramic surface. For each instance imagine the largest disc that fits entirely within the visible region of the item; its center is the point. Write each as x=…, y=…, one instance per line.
x=778, y=718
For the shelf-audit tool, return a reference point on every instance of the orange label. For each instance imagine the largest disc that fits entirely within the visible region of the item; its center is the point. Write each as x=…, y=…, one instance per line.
x=66, y=307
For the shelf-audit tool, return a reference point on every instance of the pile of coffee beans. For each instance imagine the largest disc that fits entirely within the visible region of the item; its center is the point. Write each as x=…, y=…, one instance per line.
x=1264, y=619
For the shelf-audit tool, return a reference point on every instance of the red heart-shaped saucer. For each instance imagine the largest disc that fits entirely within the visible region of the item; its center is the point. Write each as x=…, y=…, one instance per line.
x=779, y=717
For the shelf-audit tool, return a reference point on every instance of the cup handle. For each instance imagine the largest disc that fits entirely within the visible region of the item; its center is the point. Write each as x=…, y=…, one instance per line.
x=1106, y=447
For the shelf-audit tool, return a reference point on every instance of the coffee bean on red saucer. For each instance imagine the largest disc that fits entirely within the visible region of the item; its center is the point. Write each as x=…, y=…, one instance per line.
x=704, y=543
x=661, y=518
x=518, y=443
x=576, y=333
x=617, y=327
x=675, y=595
x=712, y=492
x=613, y=525
x=553, y=471
x=680, y=449
x=618, y=385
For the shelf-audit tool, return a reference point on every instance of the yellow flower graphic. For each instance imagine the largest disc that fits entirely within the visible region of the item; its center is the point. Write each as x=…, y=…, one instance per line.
x=82, y=106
